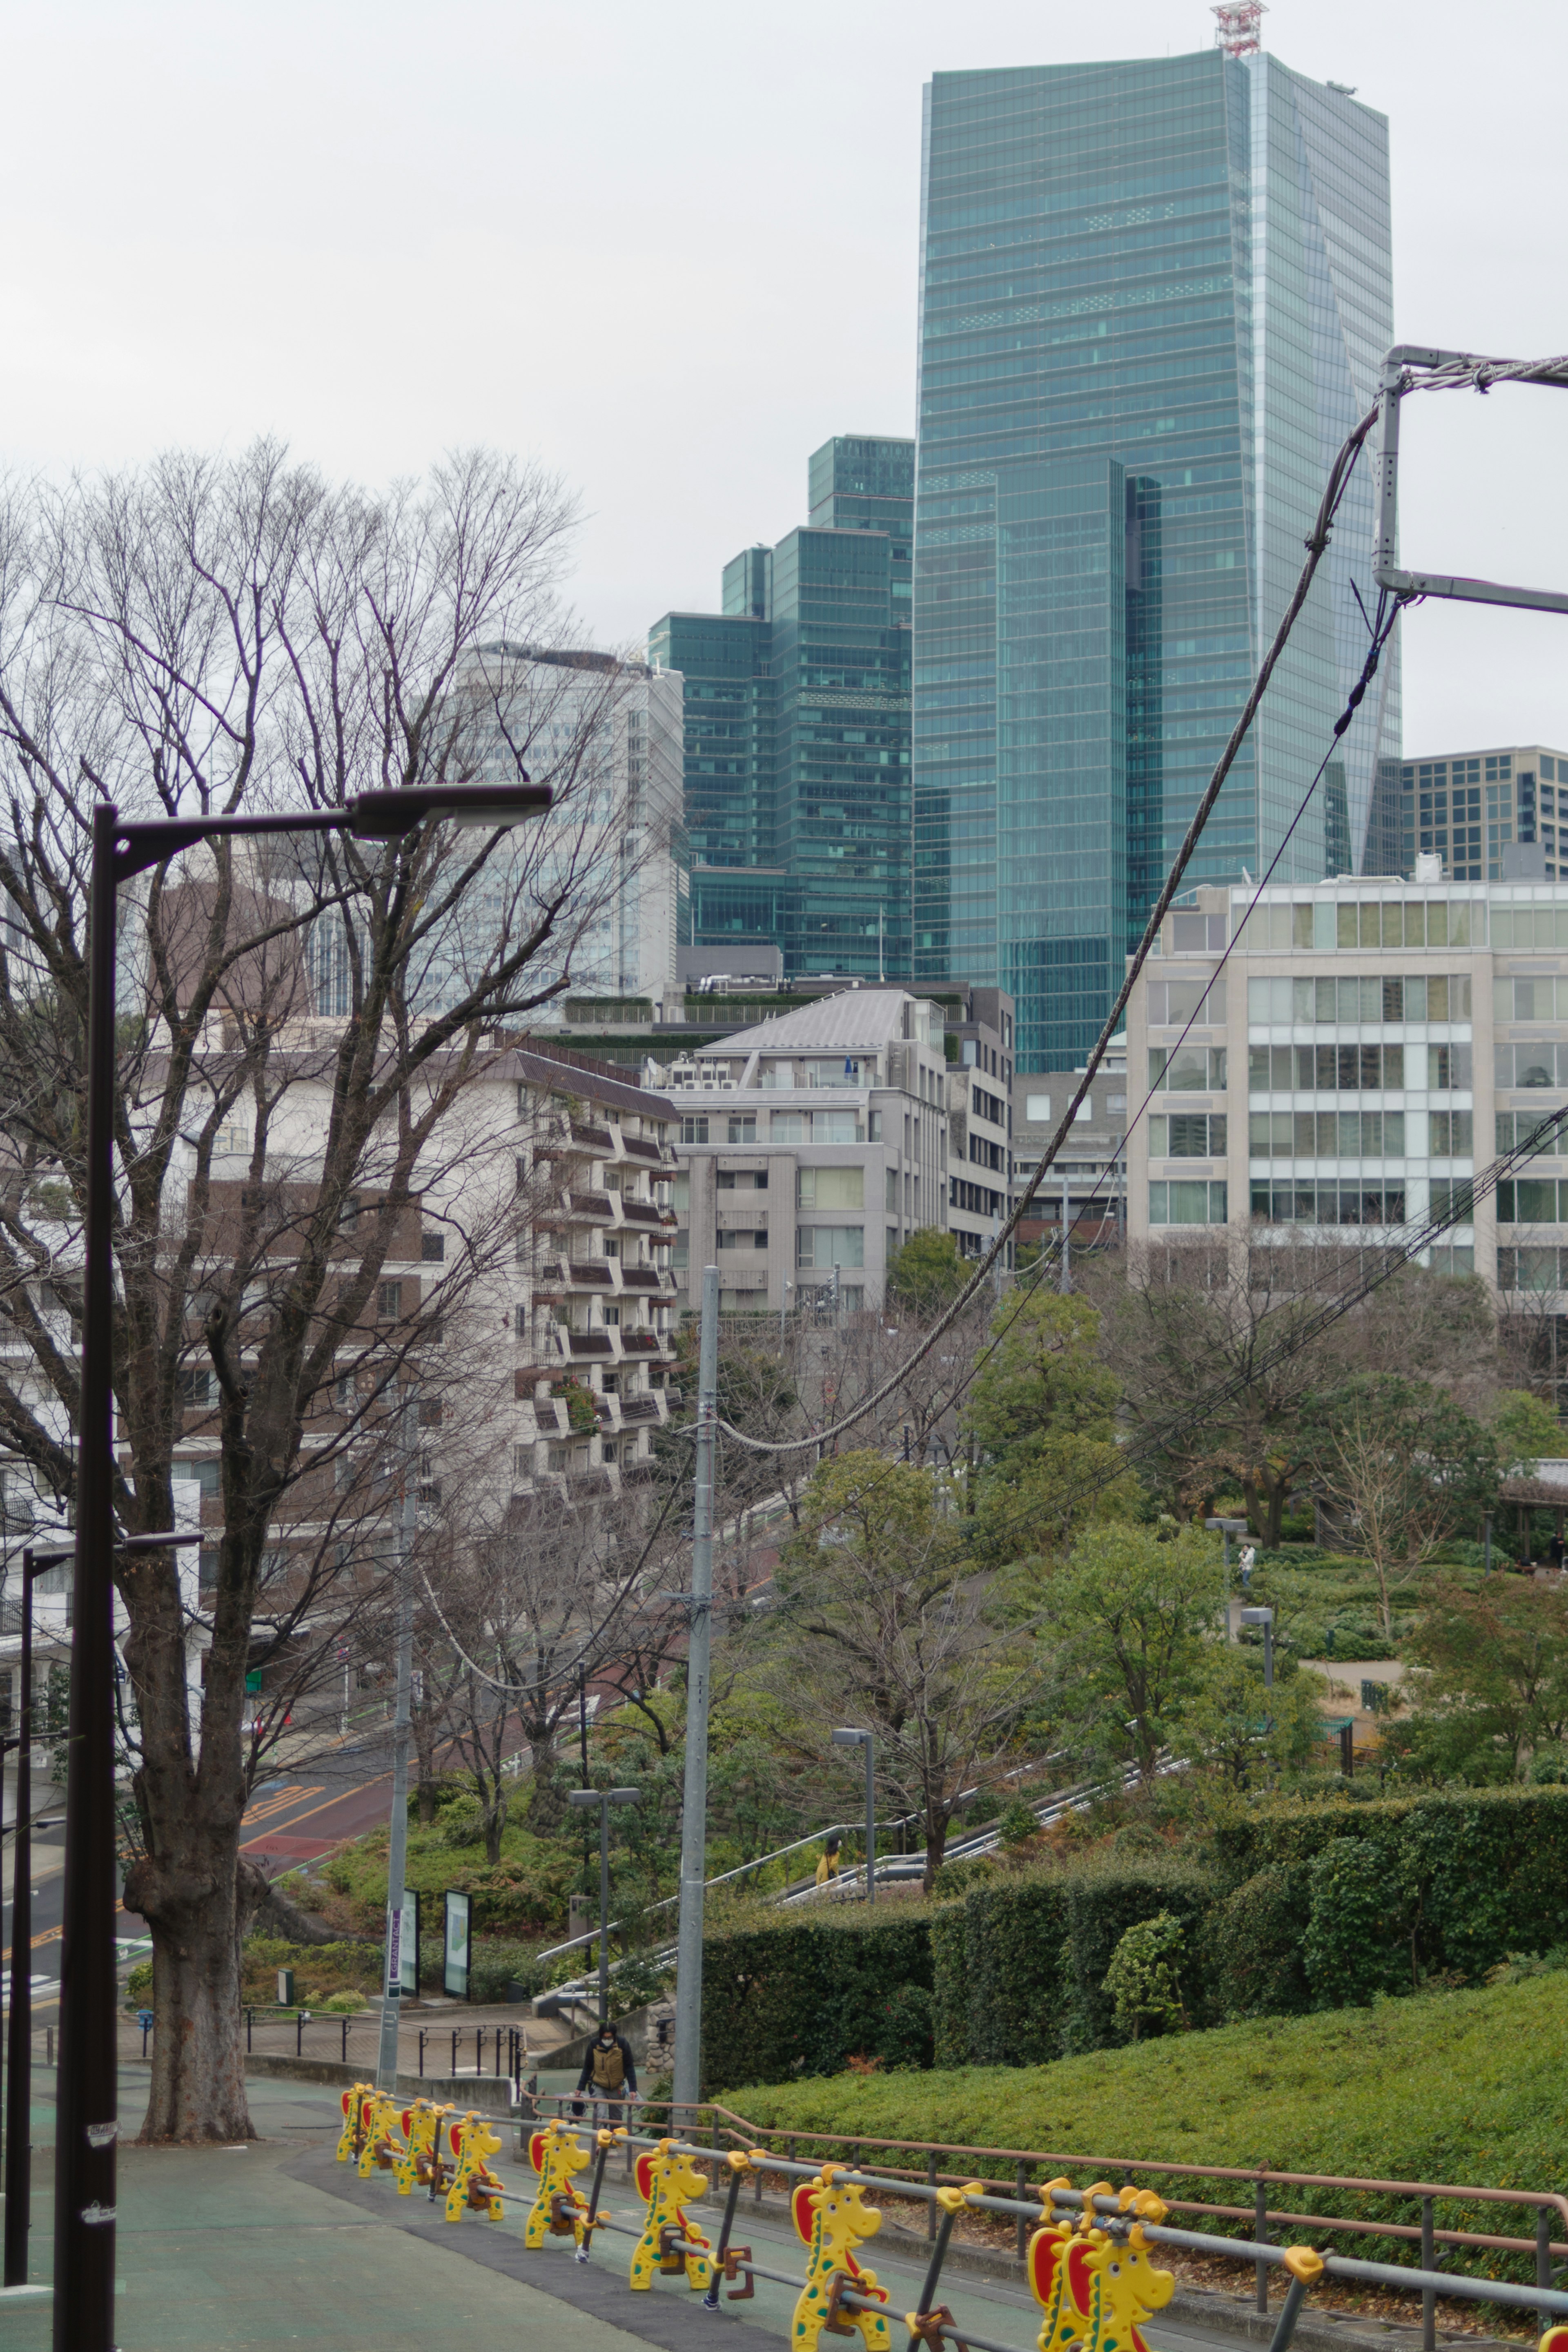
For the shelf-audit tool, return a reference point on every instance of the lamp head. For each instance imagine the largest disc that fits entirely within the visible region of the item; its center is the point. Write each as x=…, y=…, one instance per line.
x=625, y=1796
x=850, y=1738
x=585, y=1797
x=1257, y=1616
x=388, y=815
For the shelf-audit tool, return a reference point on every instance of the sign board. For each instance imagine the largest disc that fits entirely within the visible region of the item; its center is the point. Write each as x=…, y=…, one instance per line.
x=408, y=1946
x=454, y=1978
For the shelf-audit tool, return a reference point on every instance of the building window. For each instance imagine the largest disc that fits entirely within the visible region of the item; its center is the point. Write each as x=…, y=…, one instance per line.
x=1186, y=1069
x=427, y=1412
x=1515, y=1066
x=388, y=1302
x=1190, y=1203
x=1191, y=1134
x=694, y=1130
x=1328, y=1134
x=206, y=1473
x=1173, y=1002
x=195, y=1390
x=433, y=1248
x=825, y=1247
x=522, y=1460
x=1453, y=1134
x=743, y=1130
x=1329, y=1203
x=1036, y=1107
x=830, y=1187
x=732, y=1241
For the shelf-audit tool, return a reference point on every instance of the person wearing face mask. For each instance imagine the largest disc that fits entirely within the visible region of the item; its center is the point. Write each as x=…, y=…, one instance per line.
x=609, y=2071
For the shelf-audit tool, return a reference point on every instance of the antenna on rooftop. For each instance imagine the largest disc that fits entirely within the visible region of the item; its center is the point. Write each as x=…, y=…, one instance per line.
x=1237, y=32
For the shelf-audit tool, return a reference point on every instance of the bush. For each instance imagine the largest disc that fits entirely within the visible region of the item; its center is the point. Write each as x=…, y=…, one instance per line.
x=998, y=1973
x=1255, y=1938
x=782, y=1998
x=904, y=2029
x=1356, y=1925
x=139, y=1983
x=1470, y=1874
x=1144, y=1979
x=1103, y=1902
x=1018, y=1823
x=341, y=2004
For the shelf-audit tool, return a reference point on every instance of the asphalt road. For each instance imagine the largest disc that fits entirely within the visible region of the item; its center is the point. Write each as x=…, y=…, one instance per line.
x=292, y=1817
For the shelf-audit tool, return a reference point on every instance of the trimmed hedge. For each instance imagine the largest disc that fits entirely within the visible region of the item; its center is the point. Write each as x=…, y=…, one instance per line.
x=998, y=1963
x=803, y=1996
x=1101, y=1903
x=1451, y=1881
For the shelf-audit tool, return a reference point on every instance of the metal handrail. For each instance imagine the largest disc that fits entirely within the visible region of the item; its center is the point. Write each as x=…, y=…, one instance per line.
x=1115, y=2213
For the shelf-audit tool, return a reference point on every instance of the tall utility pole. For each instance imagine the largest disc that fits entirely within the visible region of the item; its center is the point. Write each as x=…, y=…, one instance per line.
x=687, y=2083
x=1066, y=1236
x=397, y=1851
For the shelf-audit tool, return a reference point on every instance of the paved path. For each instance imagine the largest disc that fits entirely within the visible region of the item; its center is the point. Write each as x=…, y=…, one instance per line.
x=246, y=2249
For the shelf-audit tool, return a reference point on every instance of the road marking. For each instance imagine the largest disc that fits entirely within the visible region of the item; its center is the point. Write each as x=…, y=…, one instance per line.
x=49, y=1935
x=279, y=1803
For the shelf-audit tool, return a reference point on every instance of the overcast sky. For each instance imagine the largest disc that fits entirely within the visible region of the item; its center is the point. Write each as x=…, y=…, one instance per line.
x=670, y=250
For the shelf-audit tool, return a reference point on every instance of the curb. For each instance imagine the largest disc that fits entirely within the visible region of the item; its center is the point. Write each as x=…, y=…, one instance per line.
x=491, y=2094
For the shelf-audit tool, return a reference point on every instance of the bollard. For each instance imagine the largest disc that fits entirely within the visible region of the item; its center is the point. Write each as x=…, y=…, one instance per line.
x=48, y=2045
x=249, y=2019
x=931, y=2204
x=421, y=2053
x=1428, y=2294
x=345, y=2041
x=1259, y=2227
x=1021, y=2247
x=453, y=2066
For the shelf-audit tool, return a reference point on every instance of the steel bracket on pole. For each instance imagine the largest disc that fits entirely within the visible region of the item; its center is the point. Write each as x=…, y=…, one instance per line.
x=1400, y=371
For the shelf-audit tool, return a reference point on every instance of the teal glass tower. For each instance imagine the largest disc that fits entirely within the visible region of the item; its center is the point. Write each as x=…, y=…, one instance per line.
x=797, y=726
x=1153, y=299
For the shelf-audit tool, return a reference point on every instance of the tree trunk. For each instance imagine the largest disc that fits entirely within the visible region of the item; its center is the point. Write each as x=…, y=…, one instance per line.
x=936, y=1845
x=197, y=1913
x=426, y=1795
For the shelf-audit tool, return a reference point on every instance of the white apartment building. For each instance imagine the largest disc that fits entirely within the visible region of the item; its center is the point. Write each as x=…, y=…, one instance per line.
x=1090, y=1175
x=979, y=1120
x=809, y=1148
x=1369, y=1045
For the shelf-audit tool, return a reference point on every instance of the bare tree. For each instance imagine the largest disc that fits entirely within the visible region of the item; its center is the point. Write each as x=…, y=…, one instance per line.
x=298, y=1036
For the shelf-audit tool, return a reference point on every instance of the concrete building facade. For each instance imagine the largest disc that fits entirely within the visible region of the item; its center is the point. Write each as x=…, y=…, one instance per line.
x=1369, y=1046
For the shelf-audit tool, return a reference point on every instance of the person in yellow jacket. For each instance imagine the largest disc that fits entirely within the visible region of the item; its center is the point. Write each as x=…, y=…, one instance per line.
x=828, y=1868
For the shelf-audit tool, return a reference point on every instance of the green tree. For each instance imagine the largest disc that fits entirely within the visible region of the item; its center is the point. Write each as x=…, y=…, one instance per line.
x=1042, y=1415
x=884, y=1623
x=1406, y=1467
x=1239, y=1729
x=926, y=1273
x=1144, y=1979
x=1125, y=1629
x=1491, y=1675
x=1524, y=1429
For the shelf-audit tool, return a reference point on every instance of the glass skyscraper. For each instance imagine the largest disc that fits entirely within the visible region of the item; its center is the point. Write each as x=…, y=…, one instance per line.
x=797, y=726
x=1153, y=299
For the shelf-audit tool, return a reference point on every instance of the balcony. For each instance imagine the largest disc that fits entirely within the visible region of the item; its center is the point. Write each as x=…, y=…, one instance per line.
x=640, y=1278
x=594, y=1273
x=639, y=1408
x=588, y=1343
x=590, y=1204
x=637, y=1147
x=642, y=1343
x=643, y=1212
x=592, y=1138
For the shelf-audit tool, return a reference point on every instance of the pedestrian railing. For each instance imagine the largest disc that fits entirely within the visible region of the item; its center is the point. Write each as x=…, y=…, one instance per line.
x=1064, y=2230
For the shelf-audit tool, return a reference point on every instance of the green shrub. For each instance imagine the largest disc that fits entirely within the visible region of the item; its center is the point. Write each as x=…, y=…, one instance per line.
x=1018, y=1823
x=799, y=1996
x=905, y=2026
x=1103, y=1900
x=1144, y=1979
x=998, y=1973
x=1357, y=1927
x=1255, y=1940
x=1478, y=1873
x=139, y=1983
x=344, y=2003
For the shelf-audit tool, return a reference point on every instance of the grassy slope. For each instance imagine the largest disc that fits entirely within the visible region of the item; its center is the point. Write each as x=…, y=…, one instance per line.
x=1468, y=2087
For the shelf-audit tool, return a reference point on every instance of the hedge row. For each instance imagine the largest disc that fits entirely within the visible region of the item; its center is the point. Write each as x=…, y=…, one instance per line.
x=801, y=1997
x=1309, y=1906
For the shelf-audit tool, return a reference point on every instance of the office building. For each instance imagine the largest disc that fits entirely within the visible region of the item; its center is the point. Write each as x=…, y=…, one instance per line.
x=796, y=726
x=1472, y=809
x=1367, y=1048
x=1155, y=297
x=810, y=1147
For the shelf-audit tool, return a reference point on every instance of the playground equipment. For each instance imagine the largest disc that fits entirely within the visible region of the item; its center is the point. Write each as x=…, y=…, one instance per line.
x=421, y=2157
x=667, y=2180
x=473, y=2186
x=558, y=2210
x=353, y=2104
x=833, y=2218
x=378, y=2152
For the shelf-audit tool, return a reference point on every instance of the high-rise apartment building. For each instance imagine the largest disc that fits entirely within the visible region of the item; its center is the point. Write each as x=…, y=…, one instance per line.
x=797, y=726
x=1155, y=296
x=1490, y=815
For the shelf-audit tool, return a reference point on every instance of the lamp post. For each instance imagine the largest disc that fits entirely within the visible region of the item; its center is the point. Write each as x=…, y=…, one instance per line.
x=1226, y=1529
x=604, y=1799
x=864, y=1740
x=19, y=2056
x=1264, y=1617
x=87, y=2125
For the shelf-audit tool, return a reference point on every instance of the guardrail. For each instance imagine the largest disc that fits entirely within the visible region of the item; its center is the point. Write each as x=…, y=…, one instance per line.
x=1128, y=2216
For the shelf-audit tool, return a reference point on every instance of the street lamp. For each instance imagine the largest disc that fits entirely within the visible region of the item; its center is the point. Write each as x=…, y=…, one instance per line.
x=864, y=1740
x=603, y=1798
x=19, y=2056
x=1226, y=1528
x=87, y=2088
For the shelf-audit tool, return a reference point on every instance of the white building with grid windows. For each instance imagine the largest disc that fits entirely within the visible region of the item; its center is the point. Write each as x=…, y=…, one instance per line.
x=1476, y=810
x=1368, y=1045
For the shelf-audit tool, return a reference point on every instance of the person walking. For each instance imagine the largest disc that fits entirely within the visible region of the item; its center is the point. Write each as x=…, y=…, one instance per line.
x=609, y=2071
x=828, y=1868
